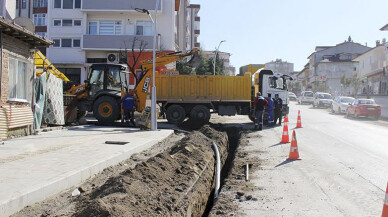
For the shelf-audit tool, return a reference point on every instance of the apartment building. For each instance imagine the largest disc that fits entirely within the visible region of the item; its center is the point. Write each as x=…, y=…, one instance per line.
x=97, y=31
x=280, y=66
x=225, y=57
x=188, y=26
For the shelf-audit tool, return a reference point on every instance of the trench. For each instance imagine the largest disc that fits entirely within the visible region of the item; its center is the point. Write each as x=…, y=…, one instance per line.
x=234, y=136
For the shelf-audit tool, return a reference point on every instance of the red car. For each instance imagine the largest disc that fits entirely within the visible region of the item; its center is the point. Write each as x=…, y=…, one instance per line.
x=364, y=107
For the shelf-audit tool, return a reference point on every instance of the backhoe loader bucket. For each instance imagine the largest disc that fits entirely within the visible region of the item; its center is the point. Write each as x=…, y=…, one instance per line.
x=195, y=60
x=144, y=121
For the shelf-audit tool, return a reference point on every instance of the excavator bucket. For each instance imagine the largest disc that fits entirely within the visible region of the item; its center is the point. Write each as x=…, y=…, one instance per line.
x=195, y=60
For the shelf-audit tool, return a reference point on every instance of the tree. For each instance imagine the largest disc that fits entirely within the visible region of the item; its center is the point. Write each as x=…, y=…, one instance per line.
x=356, y=83
x=137, y=48
x=182, y=68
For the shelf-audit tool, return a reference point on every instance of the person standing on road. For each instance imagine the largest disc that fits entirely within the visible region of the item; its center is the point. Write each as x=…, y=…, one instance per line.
x=278, y=109
x=128, y=107
x=270, y=107
x=259, y=103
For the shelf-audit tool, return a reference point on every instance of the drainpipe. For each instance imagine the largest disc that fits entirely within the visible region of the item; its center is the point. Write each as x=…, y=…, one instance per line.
x=218, y=170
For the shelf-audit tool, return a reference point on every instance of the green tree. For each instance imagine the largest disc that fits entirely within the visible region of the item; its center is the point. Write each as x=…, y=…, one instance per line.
x=356, y=83
x=183, y=69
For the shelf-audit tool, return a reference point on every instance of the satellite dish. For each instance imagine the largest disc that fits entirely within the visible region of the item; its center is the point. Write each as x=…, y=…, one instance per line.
x=25, y=22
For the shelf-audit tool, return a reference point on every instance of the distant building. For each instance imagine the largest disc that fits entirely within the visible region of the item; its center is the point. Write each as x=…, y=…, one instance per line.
x=328, y=64
x=188, y=26
x=225, y=57
x=280, y=66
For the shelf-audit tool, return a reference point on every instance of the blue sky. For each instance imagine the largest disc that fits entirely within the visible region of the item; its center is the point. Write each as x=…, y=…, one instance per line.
x=258, y=31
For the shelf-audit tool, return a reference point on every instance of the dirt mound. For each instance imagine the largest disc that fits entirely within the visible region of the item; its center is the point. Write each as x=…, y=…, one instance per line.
x=177, y=182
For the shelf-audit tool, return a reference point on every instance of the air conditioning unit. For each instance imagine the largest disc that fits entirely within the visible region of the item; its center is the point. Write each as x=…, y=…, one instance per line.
x=112, y=58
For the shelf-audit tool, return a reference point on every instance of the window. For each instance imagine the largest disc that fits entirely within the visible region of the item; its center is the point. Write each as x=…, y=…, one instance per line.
x=67, y=22
x=77, y=4
x=17, y=74
x=66, y=42
x=24, y=4
x=57, y=43
x=67, y=4
x=40, y=19
x=57, y=3
x=40, y=3
x=57, y=22
x=93, y=28
x=76, y=42
x=43, y=34
x=105, y=27
x=77, y=22
x=143, y=28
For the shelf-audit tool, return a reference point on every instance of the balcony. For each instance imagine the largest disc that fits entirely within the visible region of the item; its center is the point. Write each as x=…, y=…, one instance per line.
x=197, y=45
x=197, y=19
x=115, y=42
x=118, y=5
x=197, y=32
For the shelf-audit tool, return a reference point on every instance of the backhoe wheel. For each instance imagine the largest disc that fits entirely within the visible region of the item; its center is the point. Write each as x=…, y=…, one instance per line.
x=106, y=109
x=176, y=114
x=200, y=113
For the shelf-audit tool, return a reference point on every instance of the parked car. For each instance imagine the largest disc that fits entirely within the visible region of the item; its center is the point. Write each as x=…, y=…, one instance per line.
x=340, y=104
x=306, y=97
x=322, y=100
x=364, y=107
x=291, y=96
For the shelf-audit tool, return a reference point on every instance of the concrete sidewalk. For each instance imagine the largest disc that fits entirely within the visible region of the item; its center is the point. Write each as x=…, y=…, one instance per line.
x=34, y=168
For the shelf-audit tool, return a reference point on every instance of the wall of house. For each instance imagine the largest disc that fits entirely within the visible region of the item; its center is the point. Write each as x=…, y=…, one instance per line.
x=13, y=47
x=371, y=62
x=347, y=47
x=333, y=72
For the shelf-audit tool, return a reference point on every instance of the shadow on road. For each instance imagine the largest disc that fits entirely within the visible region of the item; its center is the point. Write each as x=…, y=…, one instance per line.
x=285, y=162
x=280, y=143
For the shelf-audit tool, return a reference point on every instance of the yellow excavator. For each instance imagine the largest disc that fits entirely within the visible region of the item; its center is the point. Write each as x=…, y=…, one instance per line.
x=107, y=83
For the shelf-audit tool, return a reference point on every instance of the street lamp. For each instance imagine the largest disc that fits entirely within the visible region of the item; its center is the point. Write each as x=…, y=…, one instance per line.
x=153, y=91
x=215, y=58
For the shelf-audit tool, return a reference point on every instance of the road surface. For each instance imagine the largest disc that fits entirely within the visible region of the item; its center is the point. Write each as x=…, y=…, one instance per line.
x=343, y=171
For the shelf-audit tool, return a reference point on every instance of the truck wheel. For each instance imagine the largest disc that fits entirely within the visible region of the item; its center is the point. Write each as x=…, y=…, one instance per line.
x=176, y=114
x=106, y=109
x=201, y=113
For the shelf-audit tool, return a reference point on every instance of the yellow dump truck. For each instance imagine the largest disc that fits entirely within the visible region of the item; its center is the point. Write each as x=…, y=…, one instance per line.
x=195, y=96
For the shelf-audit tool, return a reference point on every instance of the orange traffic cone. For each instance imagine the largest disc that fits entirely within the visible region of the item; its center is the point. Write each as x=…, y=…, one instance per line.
x=286, y=119
x=294, y=154
x=299, y=122
x=385, y=206
x=285, y=137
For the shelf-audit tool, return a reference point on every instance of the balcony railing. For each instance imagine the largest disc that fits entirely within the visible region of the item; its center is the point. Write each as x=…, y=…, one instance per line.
x=115, y=42
x=119, y=5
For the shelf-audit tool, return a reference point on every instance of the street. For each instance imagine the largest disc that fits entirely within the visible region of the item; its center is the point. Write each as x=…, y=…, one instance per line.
x=343, y=169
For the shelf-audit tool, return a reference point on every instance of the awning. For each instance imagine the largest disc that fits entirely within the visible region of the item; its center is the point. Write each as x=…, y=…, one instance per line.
x=41, y=62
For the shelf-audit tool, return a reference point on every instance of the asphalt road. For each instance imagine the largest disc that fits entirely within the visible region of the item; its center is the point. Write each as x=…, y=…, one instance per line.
x=343, y=171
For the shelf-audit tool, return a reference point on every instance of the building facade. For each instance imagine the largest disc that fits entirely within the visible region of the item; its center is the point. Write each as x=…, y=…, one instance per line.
x=328, y=64
x=100, y=31
x=17, y=76
x=187, y=22
x=280, y=66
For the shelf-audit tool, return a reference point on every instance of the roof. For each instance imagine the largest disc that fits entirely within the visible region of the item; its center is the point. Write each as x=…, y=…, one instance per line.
x=10, y=28
x=380, y=46
x=384, y=28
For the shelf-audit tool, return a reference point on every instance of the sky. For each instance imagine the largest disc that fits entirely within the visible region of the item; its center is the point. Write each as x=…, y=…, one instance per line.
x=259, y=31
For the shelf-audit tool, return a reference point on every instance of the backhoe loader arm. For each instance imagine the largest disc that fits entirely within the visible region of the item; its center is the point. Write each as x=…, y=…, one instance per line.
x=141, y=89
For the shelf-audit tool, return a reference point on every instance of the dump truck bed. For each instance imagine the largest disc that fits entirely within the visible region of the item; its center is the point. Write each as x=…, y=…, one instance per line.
x=198, y=88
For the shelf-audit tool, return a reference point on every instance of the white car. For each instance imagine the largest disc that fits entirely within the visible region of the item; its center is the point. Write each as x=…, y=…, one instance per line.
x=306, y=97
x=341, y=103
x=322, y=100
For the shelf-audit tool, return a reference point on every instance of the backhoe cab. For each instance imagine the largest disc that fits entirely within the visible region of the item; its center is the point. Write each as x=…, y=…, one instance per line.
x=103, y=88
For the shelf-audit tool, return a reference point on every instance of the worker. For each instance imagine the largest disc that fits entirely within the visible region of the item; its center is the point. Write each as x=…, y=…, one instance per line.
x=278, y=109
x=259, y=103
x=270, y=107
x=128, y=107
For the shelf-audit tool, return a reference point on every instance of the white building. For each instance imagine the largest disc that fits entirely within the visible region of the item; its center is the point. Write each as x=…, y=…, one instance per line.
x=225, y=57
x=188, y=26
x=87, y=31
x=280, y=66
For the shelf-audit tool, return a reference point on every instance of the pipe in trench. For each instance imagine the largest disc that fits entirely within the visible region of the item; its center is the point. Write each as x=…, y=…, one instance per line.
x=218, y=170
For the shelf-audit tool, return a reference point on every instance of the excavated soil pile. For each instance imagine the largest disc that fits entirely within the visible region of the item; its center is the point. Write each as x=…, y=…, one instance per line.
x=177, y=182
